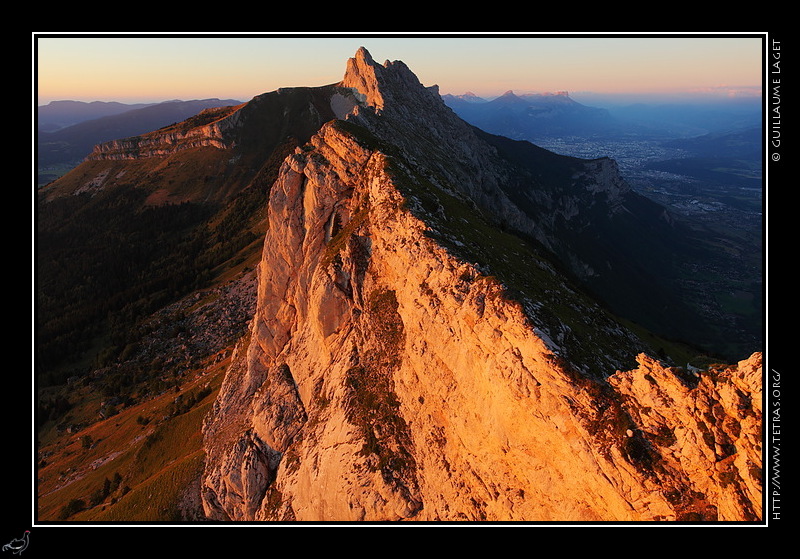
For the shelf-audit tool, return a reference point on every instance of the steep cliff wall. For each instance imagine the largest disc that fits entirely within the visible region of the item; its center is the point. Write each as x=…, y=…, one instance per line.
x=387, y=379
x=705, y=429
x=410, y=361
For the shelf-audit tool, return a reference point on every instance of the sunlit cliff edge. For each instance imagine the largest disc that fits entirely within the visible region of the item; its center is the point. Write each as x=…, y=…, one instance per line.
x=207, y=129
x=409, y=359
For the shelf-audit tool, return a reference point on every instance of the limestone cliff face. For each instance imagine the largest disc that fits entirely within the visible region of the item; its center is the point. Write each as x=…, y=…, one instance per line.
x=706, y=428
x=210, y=128
x=409, y=361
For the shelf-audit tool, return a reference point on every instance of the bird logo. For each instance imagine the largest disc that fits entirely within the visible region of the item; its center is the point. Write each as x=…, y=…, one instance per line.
x=18, y=545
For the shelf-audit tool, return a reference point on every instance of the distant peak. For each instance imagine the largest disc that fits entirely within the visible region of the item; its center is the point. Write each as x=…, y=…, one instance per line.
x=548, y=94
x=555, y=94
x=468, y=97
x=510, y=97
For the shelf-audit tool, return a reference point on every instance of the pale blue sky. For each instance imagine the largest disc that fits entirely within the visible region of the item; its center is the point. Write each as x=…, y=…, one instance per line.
x=148, y=69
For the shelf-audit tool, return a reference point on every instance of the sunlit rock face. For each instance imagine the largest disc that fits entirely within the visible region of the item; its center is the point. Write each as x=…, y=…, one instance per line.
x=210, y=128
x=391, y=375
x=705, y=428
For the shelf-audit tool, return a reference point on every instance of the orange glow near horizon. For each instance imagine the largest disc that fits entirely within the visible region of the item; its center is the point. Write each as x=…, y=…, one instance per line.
x=152, y=69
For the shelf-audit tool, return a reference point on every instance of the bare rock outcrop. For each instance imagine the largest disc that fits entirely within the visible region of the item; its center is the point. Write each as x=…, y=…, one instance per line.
x=389, y=375
x=210, y=128
x=703, y=427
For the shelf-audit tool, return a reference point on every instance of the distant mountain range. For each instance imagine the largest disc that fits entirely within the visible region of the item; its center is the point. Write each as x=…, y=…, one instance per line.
x=718, y=160
x=68, y=130
x=61, y=114
x=536, y=116
x=690, y=119
x=745, y=143
x=523, y=117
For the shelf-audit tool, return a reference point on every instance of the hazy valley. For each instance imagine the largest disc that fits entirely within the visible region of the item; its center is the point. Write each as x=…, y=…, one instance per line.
x=343, y=303
x=702, y=160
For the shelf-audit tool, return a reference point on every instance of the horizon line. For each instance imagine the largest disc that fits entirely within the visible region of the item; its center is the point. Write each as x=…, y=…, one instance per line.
x=745, y=93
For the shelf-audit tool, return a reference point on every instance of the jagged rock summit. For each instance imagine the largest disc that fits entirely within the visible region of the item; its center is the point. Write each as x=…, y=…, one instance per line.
x=410, y=359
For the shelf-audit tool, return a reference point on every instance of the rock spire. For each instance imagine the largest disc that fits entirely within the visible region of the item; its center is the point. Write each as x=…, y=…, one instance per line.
x=378, y=85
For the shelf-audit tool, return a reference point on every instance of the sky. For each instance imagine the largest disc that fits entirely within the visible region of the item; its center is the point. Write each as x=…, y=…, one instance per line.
x=154, y=68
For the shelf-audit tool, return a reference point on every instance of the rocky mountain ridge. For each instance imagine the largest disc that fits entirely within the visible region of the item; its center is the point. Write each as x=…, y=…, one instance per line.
x=409, y=359
x=76, y=128
x=208, y=129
